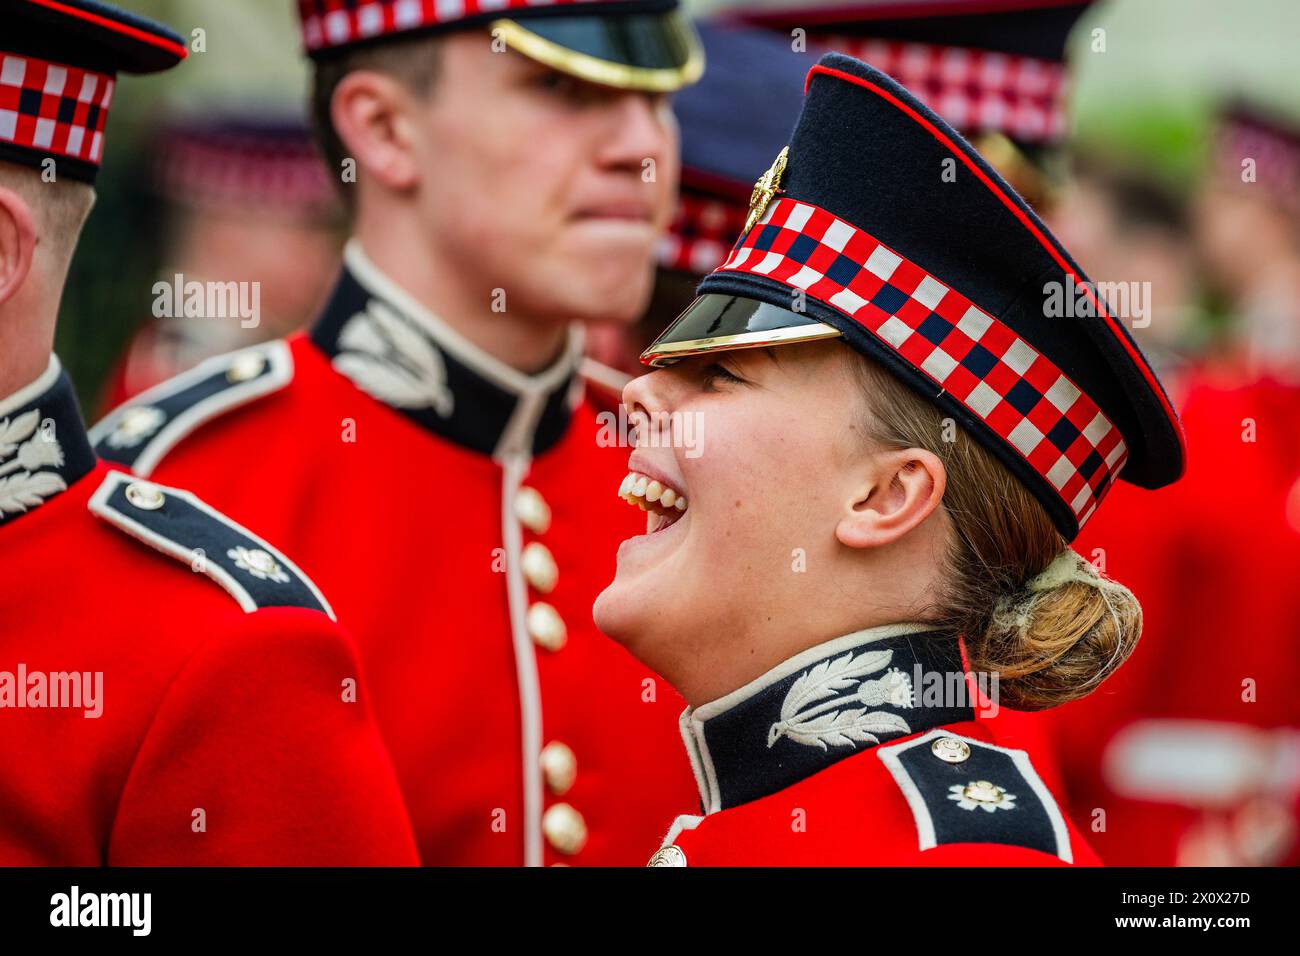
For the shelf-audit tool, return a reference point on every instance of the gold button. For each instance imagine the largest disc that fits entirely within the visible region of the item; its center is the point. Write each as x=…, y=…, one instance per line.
x=950, y=750
x=539, y=567
x=546, y=627
x=145, y=497
x=565, y=828
x=559, y=766
x=670, y=855
x=245, y=368
x=531, y=509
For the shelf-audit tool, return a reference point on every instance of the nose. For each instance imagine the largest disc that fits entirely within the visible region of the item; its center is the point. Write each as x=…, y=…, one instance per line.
x=642, y=128
x=649, y=400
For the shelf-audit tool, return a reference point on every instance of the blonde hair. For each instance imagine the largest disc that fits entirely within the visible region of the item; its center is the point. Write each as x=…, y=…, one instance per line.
x=1028, y=608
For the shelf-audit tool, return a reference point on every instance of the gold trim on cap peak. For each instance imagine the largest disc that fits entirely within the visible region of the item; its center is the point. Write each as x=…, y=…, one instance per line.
x=669, y=352
x=603, y=72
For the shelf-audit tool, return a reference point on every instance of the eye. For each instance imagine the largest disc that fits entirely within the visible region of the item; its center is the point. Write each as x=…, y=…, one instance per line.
x=561, y=86
x=716, y=373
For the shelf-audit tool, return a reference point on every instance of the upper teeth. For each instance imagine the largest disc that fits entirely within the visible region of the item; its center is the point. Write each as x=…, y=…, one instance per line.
x=640, y=490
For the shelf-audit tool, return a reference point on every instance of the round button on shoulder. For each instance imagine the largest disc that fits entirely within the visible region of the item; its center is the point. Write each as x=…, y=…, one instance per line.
x=950, y=749
x=532, y=510
x=245, y=368
x=565, y=829
x=546, y=627
x=145, y=496
x=670, y=855
x=559, y=767
x=539, y=567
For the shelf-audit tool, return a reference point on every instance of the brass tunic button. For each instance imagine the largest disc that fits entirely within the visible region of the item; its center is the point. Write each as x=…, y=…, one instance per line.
x=539, y=567
x=145, y=496
x=565, y=828
x=546, y=627
x=559, y=766
x=245, y=368
x=950, y=749
x=670, y=855
x=532, y=510
x=137, y=424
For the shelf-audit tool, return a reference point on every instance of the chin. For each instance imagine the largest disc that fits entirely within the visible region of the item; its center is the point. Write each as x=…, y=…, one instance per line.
x=613, y=615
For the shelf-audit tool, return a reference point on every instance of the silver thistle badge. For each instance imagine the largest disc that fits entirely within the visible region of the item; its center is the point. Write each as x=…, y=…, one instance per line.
x=22, y=454
x=844, y=719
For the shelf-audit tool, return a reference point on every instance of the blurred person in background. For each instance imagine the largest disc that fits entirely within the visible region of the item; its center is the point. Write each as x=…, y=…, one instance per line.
x=176, y=694
x=244, y=197
x=1192, y=756
x=1247, y=226
x=1126, y=225
x=427, y=446
x=732, y=123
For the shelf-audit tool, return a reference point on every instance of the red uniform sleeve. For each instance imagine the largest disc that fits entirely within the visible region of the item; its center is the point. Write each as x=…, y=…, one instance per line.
x=258, y=756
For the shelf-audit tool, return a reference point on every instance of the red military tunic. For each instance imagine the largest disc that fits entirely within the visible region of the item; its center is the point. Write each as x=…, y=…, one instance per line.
x=147, y=717
x=462, y=517
x=863, y=751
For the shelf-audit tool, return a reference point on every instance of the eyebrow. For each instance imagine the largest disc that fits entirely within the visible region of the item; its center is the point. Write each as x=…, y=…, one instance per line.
x=771, y=353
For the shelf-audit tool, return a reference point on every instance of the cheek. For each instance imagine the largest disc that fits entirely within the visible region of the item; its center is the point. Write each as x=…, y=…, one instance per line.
x=757, y=482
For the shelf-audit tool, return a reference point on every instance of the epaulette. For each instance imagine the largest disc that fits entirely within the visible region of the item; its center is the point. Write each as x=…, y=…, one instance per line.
x=963, y=790
x=140, y=433
x=180, y=525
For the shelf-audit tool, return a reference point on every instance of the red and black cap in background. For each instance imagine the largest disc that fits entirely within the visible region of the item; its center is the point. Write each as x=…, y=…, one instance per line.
x=948, y=285
x=985, y=66
x=236, y=163
x=1269, y=143
x=630, y=44
x=59, y=60
x=732, y=123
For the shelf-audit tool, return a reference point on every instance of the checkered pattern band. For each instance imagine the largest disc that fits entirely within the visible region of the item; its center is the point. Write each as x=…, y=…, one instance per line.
x=701, y=235
x=977, y=91
x=1014, y=389
x=333, y=23
x=54, y=109
x=243, y=171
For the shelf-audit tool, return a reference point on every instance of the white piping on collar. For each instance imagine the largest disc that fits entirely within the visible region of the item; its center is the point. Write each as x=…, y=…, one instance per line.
x=489, y=366
x=693, y=718
x=44, y=382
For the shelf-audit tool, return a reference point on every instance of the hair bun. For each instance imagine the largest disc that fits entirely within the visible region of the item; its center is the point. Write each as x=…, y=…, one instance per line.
x=1060, y=635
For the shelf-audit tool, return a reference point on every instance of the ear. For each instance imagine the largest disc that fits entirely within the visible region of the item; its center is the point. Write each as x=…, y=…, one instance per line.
x=17, y=243
x=371, y=113
x=902, y=489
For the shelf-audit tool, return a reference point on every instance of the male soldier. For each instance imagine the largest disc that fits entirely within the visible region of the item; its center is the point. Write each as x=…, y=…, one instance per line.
x=146, y=718
x=427, y=449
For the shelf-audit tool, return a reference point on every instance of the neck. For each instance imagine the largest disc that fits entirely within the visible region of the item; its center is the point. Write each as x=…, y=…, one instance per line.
x=26, y=344
x=525, y=342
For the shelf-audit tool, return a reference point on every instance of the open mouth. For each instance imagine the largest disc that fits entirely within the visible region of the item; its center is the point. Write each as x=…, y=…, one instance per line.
x=663, y=504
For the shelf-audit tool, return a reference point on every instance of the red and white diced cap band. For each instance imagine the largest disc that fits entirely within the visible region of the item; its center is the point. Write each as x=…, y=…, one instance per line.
x=53, y=109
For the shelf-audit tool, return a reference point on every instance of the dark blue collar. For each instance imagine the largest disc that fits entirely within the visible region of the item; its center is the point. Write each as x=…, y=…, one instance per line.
x=43, y=445
x=395, y=350
x=823, y=705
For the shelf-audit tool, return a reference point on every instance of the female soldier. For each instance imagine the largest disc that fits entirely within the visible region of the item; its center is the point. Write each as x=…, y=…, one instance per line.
x=863, y=531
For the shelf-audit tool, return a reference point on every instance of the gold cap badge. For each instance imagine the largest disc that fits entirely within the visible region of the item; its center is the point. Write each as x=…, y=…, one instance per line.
x=765, y=190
